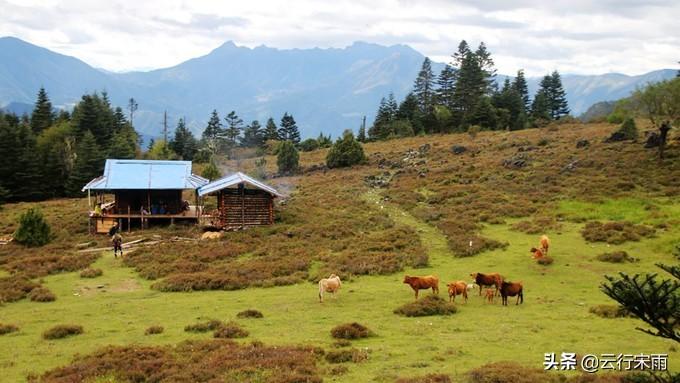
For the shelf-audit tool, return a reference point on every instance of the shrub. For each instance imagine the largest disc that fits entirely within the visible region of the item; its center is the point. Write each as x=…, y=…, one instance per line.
x=287, y=159
x=7, y=328
x=91, y=273
x=230, y=330
x=15, y=287
x=628, y=129
x=345, y=152
x=214, y=360
x=33, y=230
x=350, y=331
x=615, y=232
x=344, y=356
x=342, y=343
x=211, y=171
x=210, y=325
x=62, y=331
x=154, y=330
x=545, y=261
x=430, y=378
x=250, y=313
x=309, y=144
x=509, y=372
x=609, y=311
x=41, y=294
x=616, y=257
x=426, y=306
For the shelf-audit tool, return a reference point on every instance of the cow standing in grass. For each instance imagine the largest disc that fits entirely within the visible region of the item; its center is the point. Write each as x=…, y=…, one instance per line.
x=545, y=244
x=457, y=288
x=423, y=283
x=511, y=289
x=487, y=280
x=329, y=285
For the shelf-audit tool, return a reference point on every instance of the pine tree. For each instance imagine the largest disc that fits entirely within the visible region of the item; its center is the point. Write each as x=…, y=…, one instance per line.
x=380, y=128
x=88, y=165
x=423, y=88
x=28, y=168
x=183, y=143
x=214, y=129
x=521, y=87
x=56, y=151
x=11, y=149
x=234, y=128
x=289, y=130
x=42, y=116
x=540, y=108
x=271, y=132
x=461, y=54
x=486, y=68
x=558, y=97
x=485, y=114
x=446, y=83
x=287, y=159
x=361, y=136
x=253, y=135
x=408, y=111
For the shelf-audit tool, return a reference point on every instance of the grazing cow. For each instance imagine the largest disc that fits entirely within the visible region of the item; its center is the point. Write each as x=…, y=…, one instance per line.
x=510, y=289
x=423, y=283
x=489, y=295
x=329, y=285
x=545, y=244
x=537, y=253
x=457, y=288
x=486, y=280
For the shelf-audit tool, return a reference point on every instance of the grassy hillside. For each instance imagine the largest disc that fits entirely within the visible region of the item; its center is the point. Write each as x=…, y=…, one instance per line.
x=499, y=195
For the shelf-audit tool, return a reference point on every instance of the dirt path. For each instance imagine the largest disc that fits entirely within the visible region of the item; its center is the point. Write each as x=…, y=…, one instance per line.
x=432, y=239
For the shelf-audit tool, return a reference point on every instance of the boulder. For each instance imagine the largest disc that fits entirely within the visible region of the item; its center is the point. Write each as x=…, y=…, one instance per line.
x=582, y=143
x=458, y=149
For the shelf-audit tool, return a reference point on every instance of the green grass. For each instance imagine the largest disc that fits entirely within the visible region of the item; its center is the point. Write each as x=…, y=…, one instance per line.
x=635, y=210
x=553, y=318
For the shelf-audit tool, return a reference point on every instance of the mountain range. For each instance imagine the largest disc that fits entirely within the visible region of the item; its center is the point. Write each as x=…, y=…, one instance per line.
x=326, y=90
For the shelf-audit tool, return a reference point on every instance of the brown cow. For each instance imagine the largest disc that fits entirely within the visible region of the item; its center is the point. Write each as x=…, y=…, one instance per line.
x=537, y=253
x=423, y=283
x=510, y=289
x=486, y=280
x=545, y=244
x=457, y=288
x=489, y=295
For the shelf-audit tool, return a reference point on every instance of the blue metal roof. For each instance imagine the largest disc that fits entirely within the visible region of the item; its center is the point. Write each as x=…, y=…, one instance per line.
x=234, y=180
x=146, y=174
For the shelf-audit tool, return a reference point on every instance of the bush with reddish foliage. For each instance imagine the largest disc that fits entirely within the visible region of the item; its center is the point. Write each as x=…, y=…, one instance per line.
x=62, y=331
x=91, y=273
x=210, y=325
x=352, y=330
x=15, y=287
x=153, y=330
x=430, y=378
x=193, y=361
x=343, y=356
x=615, y=232
x=426, y=306
x=7, y=328
x=42, y=294
x=230, y=330
x=250, y=313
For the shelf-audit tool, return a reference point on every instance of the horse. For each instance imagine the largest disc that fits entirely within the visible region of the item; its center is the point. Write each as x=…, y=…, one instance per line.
x=510, y=289
x=329, y=285
x=423, y=283
x=457, y=288
x=545, y=244
x=486, y=280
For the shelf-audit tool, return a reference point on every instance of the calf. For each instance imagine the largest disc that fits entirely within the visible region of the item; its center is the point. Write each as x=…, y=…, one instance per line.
x=486, y=280
x=489, y=295
x=510, y=289
x=457, y=288
x=423, y=283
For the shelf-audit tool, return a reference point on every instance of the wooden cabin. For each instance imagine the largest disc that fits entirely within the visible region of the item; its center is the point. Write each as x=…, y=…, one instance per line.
x=241, y=201
x=143, y=191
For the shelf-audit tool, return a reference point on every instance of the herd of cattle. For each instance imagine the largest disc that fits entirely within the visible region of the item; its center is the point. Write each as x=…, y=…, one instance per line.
x=503, y=288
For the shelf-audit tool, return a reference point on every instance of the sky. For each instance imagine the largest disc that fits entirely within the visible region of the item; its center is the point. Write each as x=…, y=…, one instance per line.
x=571, y=36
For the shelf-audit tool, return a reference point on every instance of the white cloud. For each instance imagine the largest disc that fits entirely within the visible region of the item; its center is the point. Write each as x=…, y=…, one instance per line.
x=576, y=36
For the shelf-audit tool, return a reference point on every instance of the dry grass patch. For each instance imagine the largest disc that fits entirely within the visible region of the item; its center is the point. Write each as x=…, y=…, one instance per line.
x=153, y=330
x=15, y=287
x=616, y=257
x=210, y=325
x=250, y=313
x=609, y=311
x=343, y=356
x=430, y=378
x=7, y=328
x=91, y=273
x=615, y=233
x=231, y=330
x=41, y=294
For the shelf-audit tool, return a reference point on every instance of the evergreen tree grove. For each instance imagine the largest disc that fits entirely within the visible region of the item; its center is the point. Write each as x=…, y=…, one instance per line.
x=42, y=116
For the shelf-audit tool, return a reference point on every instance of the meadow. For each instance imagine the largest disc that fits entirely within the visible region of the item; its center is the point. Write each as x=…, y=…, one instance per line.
x=422, y=222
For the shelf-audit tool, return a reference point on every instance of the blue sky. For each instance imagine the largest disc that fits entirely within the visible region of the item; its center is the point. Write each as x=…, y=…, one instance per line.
x=577, y=36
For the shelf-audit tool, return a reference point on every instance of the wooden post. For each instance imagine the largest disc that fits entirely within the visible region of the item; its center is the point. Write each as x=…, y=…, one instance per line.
x=271, y=210
x=128, y=218
x=243, y=204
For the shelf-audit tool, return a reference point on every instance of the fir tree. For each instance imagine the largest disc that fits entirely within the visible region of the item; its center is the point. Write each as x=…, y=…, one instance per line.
x=287, y=159
x=361, y=136
x=42, y=116
x=88, y=165
x=521, y=87
x=324, y=141
x=183, y=143
x=408, y=111
x=380, y=128
x=214, y=129
x=253, y=135
x=557, y=97
x=486, y=69
x=423, y=88
x=33, y=230
x=233, y=129
x=57, y=153
x=446, y=83
x=540, y=108
x=485, y=114
x=28, y=168
x=289, y=130
x=271, y=132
